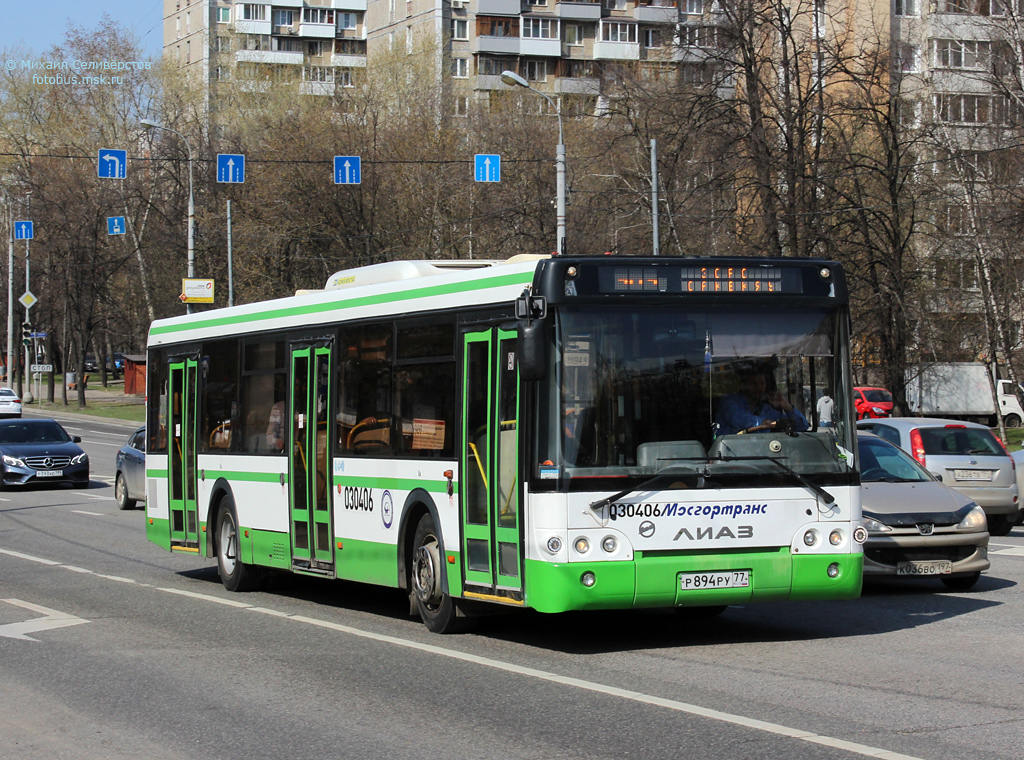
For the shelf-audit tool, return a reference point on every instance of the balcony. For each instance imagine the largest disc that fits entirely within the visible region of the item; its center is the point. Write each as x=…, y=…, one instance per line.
x=500, y=45
x=577, y=86
x=498, y=7
x=321, y=31
x=533, y=46
x=253, y=27
x=617, y=51
x=348, y=61
x=316, y=88
x=578, y=11
x=657, y=12
x=349, y=5
x=268, y=56
x=287, y=3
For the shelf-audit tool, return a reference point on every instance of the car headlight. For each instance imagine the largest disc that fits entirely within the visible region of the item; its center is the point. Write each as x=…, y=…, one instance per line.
x=13, y=461
x=82, y=458
x=874, y=526
x=974, y=520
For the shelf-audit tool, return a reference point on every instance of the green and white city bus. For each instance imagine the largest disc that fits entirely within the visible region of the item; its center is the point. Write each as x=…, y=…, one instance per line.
x=542, y=432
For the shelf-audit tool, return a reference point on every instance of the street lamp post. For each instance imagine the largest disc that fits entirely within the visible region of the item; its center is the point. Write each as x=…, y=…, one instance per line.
x=512, y=79
x=150, y=124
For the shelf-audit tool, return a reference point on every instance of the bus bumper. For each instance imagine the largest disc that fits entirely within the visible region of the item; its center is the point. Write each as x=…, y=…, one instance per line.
x=654, y=581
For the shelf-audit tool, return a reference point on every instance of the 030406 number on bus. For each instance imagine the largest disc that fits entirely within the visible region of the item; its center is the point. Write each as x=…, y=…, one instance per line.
x=728, y=579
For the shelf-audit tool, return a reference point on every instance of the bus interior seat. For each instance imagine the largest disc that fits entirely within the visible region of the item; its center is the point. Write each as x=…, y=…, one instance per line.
x=660, y=454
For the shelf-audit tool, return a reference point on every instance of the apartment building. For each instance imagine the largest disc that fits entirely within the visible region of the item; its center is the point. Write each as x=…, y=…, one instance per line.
x=570, y=50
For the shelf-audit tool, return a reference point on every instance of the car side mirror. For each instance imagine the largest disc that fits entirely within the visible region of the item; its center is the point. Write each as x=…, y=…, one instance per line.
x=938, y=477
x=76, y=439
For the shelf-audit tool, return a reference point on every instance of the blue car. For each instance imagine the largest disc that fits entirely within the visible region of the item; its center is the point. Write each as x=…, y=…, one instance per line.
x=40, y=451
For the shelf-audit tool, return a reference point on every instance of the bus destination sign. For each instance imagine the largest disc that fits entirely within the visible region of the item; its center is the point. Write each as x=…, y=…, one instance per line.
x=704, y=279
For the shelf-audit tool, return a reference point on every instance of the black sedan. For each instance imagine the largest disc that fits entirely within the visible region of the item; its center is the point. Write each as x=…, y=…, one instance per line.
x=40, y=451
x=130, y=469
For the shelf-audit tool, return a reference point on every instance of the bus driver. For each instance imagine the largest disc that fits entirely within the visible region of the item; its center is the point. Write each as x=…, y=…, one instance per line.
x=753, y=409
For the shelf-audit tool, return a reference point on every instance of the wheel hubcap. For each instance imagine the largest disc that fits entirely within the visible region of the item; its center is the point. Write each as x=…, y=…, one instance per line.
x=228, y=551
x=425, y=574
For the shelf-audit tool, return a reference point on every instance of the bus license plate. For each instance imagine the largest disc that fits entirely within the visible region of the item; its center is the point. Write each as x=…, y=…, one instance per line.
x=49, y=473
x=925, y=567
x=730, y=579
x=972, y=474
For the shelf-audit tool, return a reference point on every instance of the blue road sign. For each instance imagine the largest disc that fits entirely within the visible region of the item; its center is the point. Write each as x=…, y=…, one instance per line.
x=23, y=231
x=115, y=225
x=113, y=164
x=487, y=167
x=348, y=170
x=230, y=167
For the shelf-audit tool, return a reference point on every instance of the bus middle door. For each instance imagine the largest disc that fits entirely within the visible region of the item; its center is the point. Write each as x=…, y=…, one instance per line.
x=490, y=466
x=309, y=482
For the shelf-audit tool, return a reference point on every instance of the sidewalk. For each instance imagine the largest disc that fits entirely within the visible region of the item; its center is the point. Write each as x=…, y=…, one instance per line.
x=108, y=404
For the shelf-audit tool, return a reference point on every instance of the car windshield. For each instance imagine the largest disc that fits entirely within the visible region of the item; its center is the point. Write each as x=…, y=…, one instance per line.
x=7, y=392
x=46, y=431
x=882, y=462
x=954, y=439
x=878, y=395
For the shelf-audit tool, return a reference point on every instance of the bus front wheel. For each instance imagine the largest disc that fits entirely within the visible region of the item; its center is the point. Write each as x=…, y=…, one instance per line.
x=234, y=574
x=439, y=612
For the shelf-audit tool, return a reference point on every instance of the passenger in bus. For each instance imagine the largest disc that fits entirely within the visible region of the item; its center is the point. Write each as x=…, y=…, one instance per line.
x=275, y=428
x=754, y=409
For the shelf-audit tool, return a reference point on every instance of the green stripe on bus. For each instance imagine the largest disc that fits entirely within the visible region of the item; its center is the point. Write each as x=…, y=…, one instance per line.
x=348, y=303
x=397, y=484
x=249, y=477
x=156, y=473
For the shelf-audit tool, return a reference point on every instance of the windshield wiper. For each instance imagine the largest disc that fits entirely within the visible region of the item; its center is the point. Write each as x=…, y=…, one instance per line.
x=818, y=490
x=602, y=503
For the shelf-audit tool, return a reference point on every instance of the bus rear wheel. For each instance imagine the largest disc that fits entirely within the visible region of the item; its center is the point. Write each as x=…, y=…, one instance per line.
x=439, y=612
x=234, y=574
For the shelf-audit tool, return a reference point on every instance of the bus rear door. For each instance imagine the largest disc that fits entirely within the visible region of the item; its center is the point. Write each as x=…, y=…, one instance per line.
x=490, y=491
x=183, y=377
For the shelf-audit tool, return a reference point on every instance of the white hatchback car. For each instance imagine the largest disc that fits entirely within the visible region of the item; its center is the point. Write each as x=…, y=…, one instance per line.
x=10, y=403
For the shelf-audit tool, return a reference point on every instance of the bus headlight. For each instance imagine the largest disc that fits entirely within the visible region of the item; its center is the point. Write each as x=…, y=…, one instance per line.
x=609, y=544
x=810, y=538
x=835, y=538
x=581, y=545
x=554, y=544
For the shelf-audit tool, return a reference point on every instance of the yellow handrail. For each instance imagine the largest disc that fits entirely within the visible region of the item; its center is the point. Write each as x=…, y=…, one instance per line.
x=476, y=454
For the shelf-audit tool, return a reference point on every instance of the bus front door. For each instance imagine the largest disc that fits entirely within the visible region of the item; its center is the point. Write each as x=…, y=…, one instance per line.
x=181, y=461
x=490, y=466
x=309, y=482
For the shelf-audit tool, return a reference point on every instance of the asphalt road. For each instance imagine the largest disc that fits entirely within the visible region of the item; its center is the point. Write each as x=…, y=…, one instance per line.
x=113, y=648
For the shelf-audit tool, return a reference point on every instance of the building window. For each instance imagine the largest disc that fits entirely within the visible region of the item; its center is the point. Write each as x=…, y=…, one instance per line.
x=223, y=15
x=971, y=109
x=695, y=7
x=348, y=20
x=614, y=32
x=615, y=5
x=462, y=105
x=318, y=16
x=494, y=66
x=284, y=17
x=497, y=27
x=286, y=44
x=540, y=28
x=459, y=29
x=905, y=7
x=253, y=12
x=698, y=36
x=318, y=74
x=695, y=73
x=962, y=54
x=344, y=77
x=536, y=71
x=906, y=58
x=460, y=68
x=574, y=34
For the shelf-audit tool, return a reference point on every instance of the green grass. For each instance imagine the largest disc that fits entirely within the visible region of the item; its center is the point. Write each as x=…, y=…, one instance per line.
x=1014, y=438
x=111, y=410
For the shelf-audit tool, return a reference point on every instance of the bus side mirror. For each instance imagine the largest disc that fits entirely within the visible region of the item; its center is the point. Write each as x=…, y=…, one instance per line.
x=533, y=349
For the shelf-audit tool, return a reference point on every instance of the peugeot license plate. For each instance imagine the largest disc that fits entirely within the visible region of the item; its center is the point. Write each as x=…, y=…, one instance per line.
x=49, y=473
x=925, y=567
x=728, y=579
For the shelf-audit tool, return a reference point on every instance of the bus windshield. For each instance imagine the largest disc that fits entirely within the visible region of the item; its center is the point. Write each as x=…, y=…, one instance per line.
x=641, y=390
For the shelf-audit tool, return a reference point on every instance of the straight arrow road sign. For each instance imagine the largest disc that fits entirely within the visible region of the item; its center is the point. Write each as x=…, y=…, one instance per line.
x=487, y=167
x=348, y=170
x=230, y=168
x=23, y=230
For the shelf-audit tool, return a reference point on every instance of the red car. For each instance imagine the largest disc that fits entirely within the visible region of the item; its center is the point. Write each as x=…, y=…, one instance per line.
x=872, y=403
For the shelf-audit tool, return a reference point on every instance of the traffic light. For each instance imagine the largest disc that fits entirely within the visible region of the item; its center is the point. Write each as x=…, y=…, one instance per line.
x=26, y=333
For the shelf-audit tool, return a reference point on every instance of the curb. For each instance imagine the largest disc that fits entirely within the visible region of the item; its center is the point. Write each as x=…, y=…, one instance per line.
x=72, y=416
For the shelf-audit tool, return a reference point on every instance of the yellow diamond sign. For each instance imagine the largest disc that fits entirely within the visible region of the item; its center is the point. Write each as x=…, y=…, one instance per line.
x=28, y=300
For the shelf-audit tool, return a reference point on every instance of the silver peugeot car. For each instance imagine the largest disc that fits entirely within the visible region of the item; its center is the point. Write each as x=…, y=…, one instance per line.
x=917, y=527
x=963, y=455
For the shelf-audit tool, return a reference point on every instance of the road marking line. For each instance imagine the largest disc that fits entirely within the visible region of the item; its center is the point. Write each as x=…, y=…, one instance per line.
x=83, y=512
x=117, y=578
x=51, y=619
x=93, y=496
x=74, y=569
x=543, y=675
x=1016, y=551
